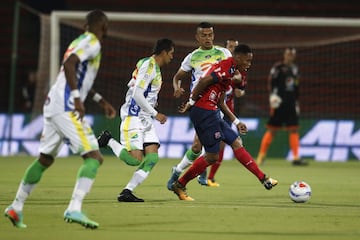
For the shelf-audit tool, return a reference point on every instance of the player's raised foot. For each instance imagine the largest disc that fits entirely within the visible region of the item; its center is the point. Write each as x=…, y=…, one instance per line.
x=269, y=182
x=15, y=217
x=104, y=138
x=80, y=218
x=180, y=191
x=212, y=183
x=202, y=180
x=299, y=162
x=127, y=196
x=173, y=178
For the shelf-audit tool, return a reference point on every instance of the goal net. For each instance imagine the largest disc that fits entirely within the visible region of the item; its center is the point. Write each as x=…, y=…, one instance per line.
x=327, y=55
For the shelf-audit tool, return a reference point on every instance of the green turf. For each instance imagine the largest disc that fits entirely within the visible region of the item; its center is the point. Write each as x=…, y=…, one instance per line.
x=239, y=209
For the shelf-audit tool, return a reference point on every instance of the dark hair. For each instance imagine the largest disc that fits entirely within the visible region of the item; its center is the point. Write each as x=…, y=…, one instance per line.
x=242, y=49
x=205, y=25
x=94, y=17
x=163, y=44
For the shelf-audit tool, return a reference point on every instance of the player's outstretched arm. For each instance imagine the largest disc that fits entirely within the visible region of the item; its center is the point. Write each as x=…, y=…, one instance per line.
x=109, y=110
x=178, y=90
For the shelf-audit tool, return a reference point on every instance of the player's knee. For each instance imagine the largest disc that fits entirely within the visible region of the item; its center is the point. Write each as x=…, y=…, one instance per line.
x=211, y=158
x=196, y=147
x=95, y=155
x=46, y=159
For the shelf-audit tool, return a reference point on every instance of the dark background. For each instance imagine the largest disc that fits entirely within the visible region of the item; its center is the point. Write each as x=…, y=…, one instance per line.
x=337, y=9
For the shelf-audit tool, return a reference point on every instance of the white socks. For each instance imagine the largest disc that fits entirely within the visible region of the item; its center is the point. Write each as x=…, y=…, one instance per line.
x=138, y=177
x=23, y=192
x=82, y=187
x=115, y=146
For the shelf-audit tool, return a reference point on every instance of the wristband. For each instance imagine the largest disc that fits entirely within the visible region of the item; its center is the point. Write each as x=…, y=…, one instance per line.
x=75, y=93
x=191, y=102
x=236, y=121
x=154, y=113
x=97, y=97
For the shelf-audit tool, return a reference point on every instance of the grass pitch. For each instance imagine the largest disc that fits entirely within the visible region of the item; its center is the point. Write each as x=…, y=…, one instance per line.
x=240, y=208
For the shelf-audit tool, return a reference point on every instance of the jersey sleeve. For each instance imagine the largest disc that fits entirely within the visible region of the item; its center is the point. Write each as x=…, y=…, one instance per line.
x=145, y=74
x=223, y=70
x=87, y=49
x=186, y=63
x=227, y=53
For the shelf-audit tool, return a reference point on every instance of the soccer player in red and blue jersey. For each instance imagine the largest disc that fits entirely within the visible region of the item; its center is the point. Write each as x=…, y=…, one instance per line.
x=204, y=103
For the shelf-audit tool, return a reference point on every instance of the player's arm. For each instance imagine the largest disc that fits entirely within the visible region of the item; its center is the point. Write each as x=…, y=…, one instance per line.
x=110, y=111
x=203, y=83
x=239, y=92
x=144, y=78
x=274, y=99
x=225, y=109
x=70, y=73
x=178, y=90
x=145, y=105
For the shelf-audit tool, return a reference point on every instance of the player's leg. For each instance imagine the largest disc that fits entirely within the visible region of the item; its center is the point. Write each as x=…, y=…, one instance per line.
x=82, y=141
x=127, y=127
x=264, y=146
x=231, y=138
x=85, y=179
x=291, y=123
x=189, y=157
x=276, y=121
x=207, y=126
x=50, y=143
x=215, y=166
x=248, y=162
x=151, y=143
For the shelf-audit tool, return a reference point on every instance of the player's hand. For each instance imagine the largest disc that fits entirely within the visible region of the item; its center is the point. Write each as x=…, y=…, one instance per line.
x=238, y=92
x=237, y=78
x=79, y=109
x=274, y=100
x=110, y=111
x=179, y=92
x=161, y=118
x=184, y=107
x=242, y=128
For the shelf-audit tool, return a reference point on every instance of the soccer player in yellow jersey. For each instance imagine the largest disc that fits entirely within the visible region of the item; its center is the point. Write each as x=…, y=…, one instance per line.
x=64, y=122
x=137, y=131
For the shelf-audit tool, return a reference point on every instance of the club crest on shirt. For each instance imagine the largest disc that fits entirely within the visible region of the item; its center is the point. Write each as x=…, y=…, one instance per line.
x=213, y=95
x=217, y=135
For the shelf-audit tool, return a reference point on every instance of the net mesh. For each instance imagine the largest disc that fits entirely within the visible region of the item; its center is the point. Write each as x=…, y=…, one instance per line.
x=327, y=58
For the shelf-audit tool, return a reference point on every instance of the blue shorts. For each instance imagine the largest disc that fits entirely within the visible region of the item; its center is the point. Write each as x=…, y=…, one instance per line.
x=211, y=129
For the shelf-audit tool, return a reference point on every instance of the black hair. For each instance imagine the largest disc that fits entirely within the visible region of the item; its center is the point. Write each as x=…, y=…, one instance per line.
x=242, y=49
x=94, y=17
x=205, y=25
x=163, y=44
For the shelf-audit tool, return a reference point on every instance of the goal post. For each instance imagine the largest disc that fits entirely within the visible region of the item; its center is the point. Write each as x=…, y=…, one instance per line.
x=57, y=16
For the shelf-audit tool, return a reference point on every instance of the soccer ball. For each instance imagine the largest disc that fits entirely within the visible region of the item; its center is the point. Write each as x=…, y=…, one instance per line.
x=300, y=192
